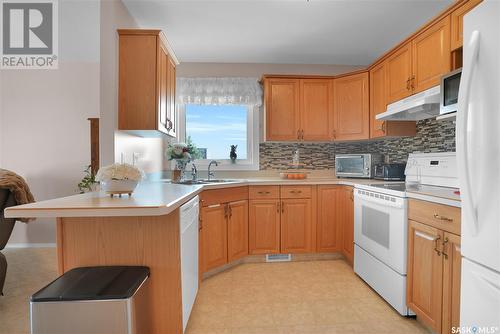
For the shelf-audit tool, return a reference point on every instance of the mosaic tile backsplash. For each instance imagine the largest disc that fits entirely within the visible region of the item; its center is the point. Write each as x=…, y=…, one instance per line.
x=432, y=136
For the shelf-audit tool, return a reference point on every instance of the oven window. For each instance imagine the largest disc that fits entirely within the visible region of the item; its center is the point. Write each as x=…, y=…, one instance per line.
x=350, y=165
x=450, y=93
x=375, y=225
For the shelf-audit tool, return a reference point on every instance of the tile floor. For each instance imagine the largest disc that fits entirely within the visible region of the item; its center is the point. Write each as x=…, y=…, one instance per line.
x=294, y=297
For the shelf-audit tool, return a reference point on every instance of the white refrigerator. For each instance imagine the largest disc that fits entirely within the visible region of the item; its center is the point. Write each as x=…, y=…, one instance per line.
x=478, y=157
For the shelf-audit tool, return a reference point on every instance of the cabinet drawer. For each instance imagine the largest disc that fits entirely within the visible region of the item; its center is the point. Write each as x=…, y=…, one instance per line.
x=444, y=217
x=262, y=192
x=296, y=191
x=226, y=195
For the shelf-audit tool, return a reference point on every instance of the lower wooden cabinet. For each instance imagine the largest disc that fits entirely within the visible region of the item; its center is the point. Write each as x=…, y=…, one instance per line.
x=237, y=230
x=433, y=281
x=329, y=228
x=213, y=236
x=296, y=226
x=345, y=215
x=223, y=234
x=264, y=226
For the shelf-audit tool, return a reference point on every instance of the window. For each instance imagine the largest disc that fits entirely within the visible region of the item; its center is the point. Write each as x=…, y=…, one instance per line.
x=214, y=128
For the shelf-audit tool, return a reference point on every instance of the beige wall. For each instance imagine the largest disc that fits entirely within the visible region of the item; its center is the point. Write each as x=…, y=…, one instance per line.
x=256, y=70
x=44, y=129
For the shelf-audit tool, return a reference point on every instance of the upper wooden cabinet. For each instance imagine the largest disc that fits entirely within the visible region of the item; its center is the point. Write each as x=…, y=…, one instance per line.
x=282, y=109
x=457, y=23
x=431, y=56
x=399, y=74
x=378, y=104
x=351, y=108
x=298, y=109
x=146, y=92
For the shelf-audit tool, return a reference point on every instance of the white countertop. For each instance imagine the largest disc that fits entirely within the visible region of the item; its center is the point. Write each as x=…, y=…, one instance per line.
x=158, y=198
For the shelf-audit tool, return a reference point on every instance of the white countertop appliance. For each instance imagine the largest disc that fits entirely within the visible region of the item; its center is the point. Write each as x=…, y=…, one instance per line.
x=478, y=155
x=381, y=224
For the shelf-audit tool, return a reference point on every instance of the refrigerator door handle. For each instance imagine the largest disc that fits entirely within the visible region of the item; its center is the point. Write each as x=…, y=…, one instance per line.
x=462, y=124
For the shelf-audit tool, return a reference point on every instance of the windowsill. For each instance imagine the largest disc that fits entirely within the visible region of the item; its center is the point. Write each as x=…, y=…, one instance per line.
x=223, y=166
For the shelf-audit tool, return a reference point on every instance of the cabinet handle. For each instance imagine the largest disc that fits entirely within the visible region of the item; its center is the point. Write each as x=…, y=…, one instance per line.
x=200, y=225
x=439, y=217
x=413, y=82
x=263, y=192
x=230, y=210
x=282, y=207
x=298, y=134
x=296, y=191
x=334, y=134
x=383, y=126
x=408, y=83
x=278, y=206
x=170, y=125
x=445, y=241
x=436, y=245
x=225, y=211
x=302, y=134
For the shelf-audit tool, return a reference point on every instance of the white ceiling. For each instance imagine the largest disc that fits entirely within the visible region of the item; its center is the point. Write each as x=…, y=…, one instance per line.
x=350, y=32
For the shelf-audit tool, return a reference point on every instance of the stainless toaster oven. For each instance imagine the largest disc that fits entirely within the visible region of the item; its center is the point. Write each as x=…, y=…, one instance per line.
x=357, y=165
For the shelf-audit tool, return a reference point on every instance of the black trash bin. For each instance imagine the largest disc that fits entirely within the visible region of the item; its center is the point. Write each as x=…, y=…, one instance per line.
x=107, y=299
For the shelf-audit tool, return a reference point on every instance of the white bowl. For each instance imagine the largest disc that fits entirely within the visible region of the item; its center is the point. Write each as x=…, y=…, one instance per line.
x=119, y=186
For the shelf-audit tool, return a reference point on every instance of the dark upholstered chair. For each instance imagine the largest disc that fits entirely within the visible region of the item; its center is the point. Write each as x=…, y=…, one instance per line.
x=6, y=226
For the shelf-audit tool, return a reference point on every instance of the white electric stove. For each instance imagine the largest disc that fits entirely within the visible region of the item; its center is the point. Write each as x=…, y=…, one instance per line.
x=381, y=223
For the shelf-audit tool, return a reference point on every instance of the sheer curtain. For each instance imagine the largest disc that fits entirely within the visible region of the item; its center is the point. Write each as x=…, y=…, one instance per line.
x=218, y=91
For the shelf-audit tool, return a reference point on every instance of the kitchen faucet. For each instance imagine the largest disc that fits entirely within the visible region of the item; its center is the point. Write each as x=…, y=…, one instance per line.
x=194, y=171
x=210, y=174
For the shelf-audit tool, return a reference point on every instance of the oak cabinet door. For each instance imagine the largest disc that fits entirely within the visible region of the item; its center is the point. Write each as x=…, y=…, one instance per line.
x=296, y=226
x=378, y=105
x=345, y=215
x=214, y=236
x=329, y=227
x=171, y=122
x=399, y=74
x=457, y=23
x=316, y=109
x=264, y=226
x=451, y=282
x=351, y=108
x=282, y=109
x=425, y=273
x=431, y=56
x=237, y=230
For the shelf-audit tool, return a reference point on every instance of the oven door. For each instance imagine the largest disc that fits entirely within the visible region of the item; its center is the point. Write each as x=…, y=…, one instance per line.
x=380, y=227
x=351, y=165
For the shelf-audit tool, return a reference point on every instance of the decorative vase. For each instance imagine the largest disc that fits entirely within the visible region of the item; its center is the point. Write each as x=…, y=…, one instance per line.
x=119, y=187
x=178, y=172
x=232, y=154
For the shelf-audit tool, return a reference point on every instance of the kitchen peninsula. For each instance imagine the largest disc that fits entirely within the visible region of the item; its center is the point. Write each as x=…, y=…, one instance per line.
x=95, y=229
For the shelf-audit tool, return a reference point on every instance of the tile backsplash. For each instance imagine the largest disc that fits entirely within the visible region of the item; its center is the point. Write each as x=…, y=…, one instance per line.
x=432, y=136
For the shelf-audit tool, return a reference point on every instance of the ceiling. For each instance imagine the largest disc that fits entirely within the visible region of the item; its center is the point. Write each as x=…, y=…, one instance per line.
x=348, y=32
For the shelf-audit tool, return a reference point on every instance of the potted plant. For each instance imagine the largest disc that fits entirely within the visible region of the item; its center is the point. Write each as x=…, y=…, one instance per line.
x=182, y=154
x=119, y=178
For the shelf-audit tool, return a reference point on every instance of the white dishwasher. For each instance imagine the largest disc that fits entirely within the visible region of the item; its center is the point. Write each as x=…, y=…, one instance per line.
x=189, y=213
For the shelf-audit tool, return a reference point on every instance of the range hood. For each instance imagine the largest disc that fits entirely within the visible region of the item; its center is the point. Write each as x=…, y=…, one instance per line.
x=414, y=108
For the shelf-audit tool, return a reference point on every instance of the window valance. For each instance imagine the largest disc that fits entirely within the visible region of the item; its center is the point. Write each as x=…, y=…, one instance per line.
x=228, y=90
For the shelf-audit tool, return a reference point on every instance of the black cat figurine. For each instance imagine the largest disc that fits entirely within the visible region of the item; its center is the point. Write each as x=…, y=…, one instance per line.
x=233, y=154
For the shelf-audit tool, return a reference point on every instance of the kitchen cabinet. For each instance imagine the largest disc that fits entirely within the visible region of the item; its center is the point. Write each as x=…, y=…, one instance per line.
x=452, y=259
x=378, y=104
x=214, y=236
x=282, y=109
x=316, y=109
x=146, y=85
x=298, y=109
x=351, y=107
x=296, y=226
x=457, y=23
x=264, y=226
x=329, y=227
x=223, y=226
x=399, y=73
x=434, y=264
x=237, y=230
x=345, y=215
x=431, y=57
x=425, y=272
